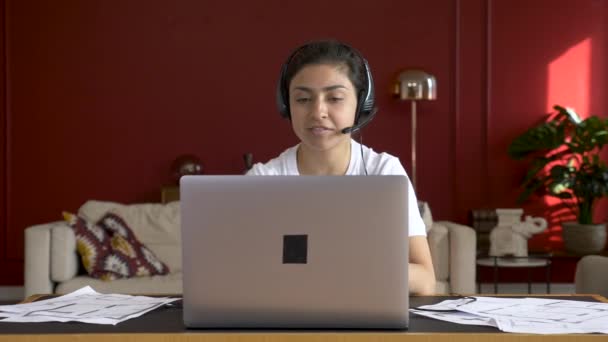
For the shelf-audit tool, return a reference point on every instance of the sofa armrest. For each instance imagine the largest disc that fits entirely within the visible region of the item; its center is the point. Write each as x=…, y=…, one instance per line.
x=591, y=276
x=50, y=257
x=463, y=250
x=37, y=260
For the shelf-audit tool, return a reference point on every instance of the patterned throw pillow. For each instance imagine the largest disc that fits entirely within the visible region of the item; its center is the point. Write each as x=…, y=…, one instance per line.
x=109, y=250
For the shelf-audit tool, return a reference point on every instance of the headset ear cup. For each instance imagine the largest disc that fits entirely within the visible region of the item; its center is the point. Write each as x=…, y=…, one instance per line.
x=360, y=113
x=366, y=104
x=282, y=100
x=281, y=105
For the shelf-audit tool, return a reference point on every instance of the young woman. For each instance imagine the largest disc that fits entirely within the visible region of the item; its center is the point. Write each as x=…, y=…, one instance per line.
x=326, y=91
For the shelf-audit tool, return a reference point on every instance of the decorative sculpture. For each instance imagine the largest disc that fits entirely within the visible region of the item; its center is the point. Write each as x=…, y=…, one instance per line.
x=186, y=164
x=510, y=236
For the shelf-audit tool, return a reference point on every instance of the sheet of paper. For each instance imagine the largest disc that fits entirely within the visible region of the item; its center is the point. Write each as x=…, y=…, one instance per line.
x=84, y=305
x=457, y=317
x=526, y=315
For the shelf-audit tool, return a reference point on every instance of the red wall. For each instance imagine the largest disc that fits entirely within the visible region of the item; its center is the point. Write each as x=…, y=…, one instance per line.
x=102, y=96
x=555, y=54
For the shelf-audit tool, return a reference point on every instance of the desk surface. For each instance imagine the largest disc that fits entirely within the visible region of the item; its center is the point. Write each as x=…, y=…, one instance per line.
x=166, y=325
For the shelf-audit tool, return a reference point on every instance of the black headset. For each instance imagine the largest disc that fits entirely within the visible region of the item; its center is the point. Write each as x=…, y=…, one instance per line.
x=366, y=109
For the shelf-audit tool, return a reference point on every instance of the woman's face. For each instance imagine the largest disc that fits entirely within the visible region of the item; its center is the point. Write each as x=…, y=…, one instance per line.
x=322, y=102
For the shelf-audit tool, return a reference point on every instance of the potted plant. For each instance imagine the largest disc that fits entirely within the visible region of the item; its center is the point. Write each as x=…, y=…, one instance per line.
x=565, y=163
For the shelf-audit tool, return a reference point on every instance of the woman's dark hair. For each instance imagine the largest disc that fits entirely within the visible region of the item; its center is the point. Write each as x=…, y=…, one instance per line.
x=332, y=52
x=327, y=51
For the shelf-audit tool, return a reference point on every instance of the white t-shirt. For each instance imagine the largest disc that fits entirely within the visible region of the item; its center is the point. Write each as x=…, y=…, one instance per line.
x=377, y=164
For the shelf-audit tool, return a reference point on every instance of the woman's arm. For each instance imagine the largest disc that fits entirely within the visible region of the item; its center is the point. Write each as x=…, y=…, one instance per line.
x=421, y=273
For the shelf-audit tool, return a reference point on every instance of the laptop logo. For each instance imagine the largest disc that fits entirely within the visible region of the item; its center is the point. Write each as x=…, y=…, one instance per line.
x=295, y=249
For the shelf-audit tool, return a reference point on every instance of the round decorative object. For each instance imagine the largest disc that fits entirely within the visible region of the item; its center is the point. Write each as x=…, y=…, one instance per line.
x=584, y=238
x=186, y=164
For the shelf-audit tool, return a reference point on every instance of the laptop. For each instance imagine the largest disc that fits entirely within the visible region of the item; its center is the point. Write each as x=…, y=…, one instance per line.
x=295, y=252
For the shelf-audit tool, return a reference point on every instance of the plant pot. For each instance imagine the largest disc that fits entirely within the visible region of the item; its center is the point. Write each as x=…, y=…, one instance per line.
x=584, y=238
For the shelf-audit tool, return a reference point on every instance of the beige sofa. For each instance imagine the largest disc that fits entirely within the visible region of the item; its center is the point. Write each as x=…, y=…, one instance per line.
x=52, y=263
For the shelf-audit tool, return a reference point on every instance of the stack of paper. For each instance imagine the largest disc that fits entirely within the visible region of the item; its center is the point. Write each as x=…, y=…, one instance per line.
x=84, y=305
x=524, y=315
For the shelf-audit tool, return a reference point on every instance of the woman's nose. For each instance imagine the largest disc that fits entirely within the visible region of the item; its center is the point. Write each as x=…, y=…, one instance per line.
x=319, y=108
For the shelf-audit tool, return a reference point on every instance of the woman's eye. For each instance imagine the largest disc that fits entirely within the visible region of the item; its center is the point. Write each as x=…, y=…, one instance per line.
x=335, y=99
x=302, y=100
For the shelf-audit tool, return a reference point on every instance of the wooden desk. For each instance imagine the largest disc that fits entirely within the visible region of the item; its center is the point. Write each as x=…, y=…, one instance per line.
x=165, y=325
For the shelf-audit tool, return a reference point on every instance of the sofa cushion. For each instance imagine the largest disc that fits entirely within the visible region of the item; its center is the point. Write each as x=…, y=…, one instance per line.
x=442, y=286
x=165, y=284
x=109, y=250
x=155, y=225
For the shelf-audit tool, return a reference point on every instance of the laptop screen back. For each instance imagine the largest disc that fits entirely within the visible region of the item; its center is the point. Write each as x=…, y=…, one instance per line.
x=295, y=251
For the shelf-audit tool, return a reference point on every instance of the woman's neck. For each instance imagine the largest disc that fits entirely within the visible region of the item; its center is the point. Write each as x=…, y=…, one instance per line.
x=330, y=162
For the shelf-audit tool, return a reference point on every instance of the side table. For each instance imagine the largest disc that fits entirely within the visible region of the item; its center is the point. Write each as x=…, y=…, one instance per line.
x=169, y=193
x=529, y=262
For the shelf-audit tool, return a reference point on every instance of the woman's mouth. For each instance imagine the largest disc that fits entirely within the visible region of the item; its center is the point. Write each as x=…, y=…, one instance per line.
x=320, y=130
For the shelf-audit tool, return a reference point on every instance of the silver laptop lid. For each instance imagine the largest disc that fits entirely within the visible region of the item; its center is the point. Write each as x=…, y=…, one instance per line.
x=295, y=251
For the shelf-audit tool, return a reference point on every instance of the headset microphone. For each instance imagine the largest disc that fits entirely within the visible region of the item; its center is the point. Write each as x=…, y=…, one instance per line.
x=363, y=123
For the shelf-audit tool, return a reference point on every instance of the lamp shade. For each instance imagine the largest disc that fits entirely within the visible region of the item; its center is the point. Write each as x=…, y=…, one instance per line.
x=416, y=84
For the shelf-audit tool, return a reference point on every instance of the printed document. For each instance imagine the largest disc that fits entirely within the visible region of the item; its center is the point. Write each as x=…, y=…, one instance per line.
x=523, y=315
x=84, y=305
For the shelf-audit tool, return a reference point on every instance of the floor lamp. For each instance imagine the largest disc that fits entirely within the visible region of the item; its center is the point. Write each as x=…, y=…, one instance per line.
x=415, y=85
